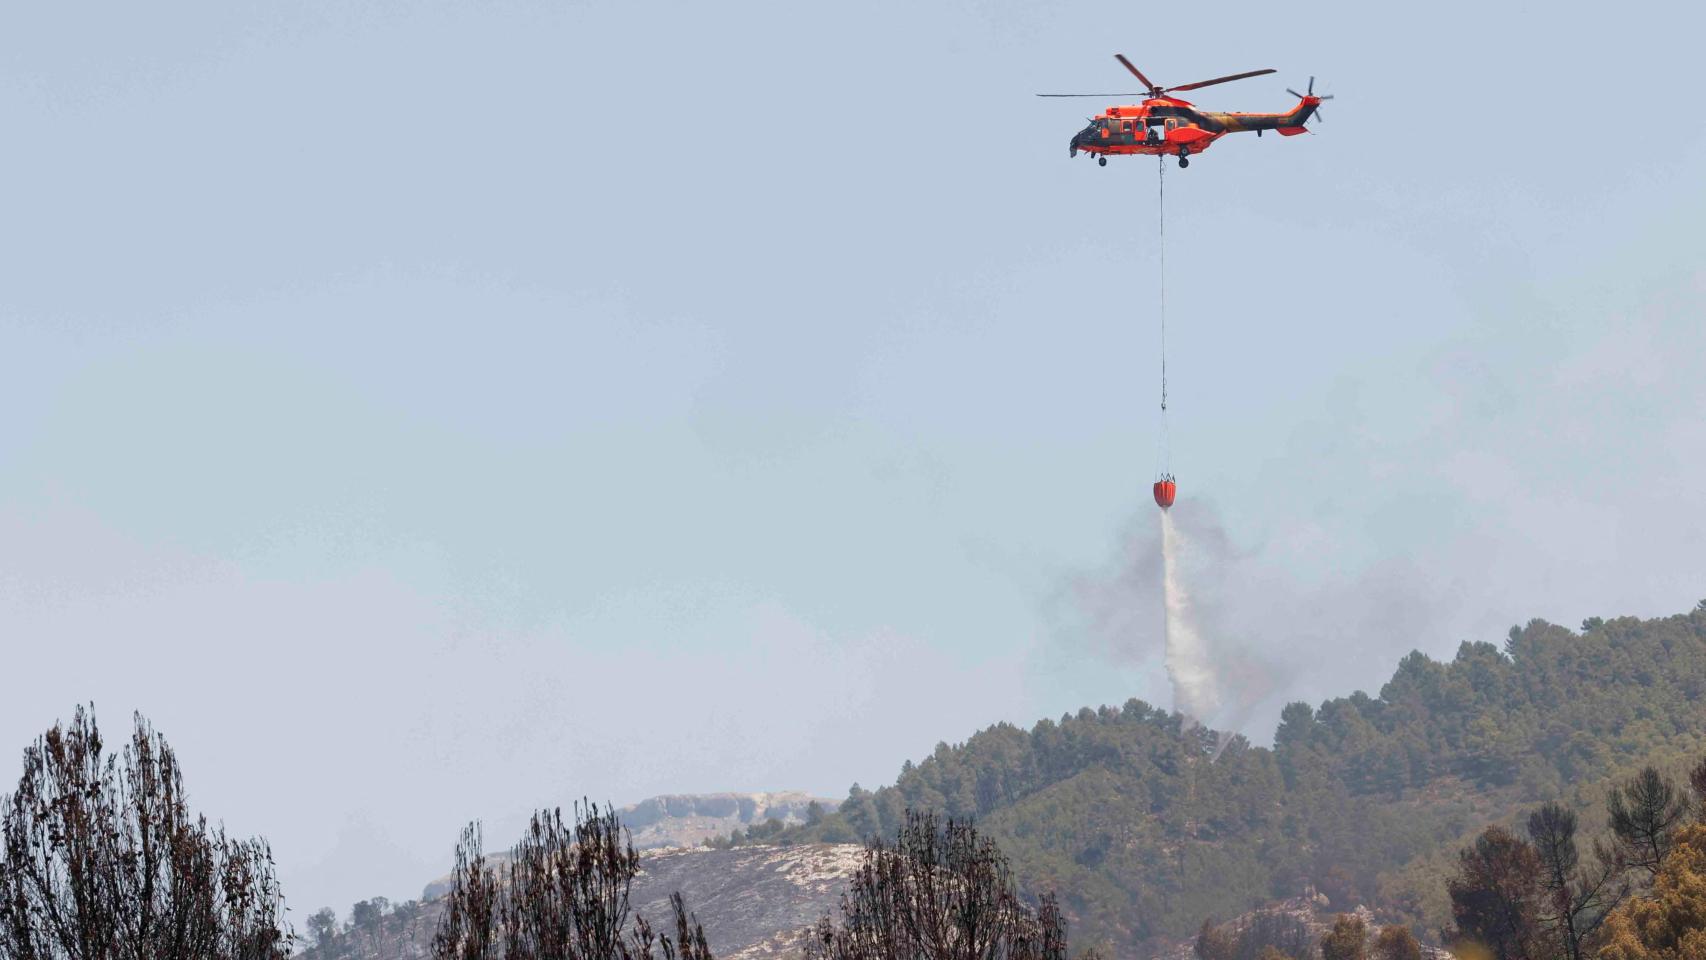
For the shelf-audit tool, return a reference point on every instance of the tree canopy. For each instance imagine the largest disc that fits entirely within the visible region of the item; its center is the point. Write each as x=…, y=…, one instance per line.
x=103, y=860
x=1670, y=923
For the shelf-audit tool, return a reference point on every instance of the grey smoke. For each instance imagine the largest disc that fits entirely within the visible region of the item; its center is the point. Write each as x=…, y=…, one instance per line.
x=1248, y=631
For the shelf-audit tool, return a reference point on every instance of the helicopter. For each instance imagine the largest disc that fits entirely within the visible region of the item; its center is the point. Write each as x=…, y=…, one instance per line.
x=1164, y=125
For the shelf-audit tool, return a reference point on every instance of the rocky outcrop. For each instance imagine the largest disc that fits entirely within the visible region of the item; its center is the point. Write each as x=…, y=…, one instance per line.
x=1313, y=911
x=754, y=901
x=685, y=820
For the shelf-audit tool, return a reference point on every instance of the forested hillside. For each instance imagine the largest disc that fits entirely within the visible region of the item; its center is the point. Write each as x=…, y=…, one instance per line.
x=1143, y=831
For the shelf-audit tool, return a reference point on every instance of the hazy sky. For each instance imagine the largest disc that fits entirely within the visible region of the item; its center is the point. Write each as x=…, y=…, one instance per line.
x=426, y=411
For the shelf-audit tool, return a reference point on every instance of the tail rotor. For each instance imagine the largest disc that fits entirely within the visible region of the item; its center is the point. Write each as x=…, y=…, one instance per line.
x=1310, y=92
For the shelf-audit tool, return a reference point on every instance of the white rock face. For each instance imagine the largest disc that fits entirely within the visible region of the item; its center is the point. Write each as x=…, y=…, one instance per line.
x=755, y=902
x=687, y=820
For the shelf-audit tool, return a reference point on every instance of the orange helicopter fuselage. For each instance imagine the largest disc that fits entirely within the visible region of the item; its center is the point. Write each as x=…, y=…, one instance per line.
x=1168, y=126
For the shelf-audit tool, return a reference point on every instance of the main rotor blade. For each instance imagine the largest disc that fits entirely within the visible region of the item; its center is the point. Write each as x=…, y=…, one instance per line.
x=1147, y=83
x=1210, y=83
x=1144, y=94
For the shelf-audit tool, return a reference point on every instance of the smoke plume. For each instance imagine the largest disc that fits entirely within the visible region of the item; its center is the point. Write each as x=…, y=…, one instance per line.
x=1233, y=633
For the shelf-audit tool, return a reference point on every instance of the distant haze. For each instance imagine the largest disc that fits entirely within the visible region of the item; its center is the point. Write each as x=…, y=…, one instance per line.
x=425, y=412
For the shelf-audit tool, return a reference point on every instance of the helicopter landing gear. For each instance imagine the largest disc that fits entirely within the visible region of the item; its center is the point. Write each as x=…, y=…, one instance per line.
x=1101, y=161
x=1183, y=163
x=1184, y=152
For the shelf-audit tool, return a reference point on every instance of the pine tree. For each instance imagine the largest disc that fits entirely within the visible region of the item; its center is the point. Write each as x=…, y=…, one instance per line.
x=1397, y=943
x=103, y=859
x=1670, y=924
x=1645, y=811
x=1347, y=940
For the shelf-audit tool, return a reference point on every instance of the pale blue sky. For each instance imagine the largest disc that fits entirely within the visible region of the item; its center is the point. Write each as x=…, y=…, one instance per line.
x=395, y=390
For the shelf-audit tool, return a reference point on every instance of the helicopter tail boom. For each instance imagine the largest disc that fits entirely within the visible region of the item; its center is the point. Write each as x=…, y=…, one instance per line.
x=1241, y=122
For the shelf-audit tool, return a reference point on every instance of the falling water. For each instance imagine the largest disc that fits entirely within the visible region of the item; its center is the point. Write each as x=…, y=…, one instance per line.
x=1189, y=668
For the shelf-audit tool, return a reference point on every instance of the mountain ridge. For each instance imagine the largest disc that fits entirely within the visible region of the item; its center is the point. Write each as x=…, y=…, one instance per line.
x=1128, y=814
x=689, y=819
x=1145, y=825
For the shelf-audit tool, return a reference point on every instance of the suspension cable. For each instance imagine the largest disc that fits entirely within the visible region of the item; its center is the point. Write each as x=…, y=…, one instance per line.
x=1163, y=441
x=1161, y=213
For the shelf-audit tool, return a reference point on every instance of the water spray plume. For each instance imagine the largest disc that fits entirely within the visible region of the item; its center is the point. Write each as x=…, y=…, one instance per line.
x=1196, y=694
